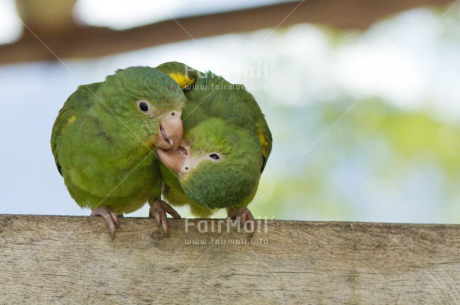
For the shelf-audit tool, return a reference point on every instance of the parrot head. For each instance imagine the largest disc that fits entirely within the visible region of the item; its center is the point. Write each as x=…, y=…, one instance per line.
x=217, y=165
x=184, y=75
x=148, y=102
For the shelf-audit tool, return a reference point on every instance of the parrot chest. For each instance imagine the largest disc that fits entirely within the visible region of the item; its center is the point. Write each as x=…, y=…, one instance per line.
x=109, y=177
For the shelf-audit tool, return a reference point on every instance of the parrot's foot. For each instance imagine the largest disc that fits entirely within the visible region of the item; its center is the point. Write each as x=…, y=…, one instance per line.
x=246, y=219
x=110, y=218
x=158, y=210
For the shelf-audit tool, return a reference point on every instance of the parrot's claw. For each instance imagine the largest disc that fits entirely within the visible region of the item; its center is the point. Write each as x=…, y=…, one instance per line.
x=110, y=218
x=245, y=217
x=158, y=210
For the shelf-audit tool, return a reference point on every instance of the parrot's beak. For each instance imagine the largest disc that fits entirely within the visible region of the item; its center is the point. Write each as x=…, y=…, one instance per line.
x=170, y=133
x=176, y=160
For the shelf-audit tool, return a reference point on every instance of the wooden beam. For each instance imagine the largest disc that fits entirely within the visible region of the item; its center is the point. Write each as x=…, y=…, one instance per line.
x=63, y=260
x=80, y=42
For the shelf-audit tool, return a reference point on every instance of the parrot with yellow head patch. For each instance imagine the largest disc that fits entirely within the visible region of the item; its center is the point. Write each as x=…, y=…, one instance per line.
x=225, y=147
x=105, y=137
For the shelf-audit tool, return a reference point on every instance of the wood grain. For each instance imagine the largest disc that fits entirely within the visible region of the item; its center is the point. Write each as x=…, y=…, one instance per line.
x=72, y=260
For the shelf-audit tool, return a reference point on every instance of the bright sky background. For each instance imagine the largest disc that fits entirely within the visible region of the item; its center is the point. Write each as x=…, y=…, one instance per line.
x=125, y=14
x=10, y=24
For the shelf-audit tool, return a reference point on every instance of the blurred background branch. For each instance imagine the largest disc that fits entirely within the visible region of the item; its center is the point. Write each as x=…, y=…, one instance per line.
x=54, y=23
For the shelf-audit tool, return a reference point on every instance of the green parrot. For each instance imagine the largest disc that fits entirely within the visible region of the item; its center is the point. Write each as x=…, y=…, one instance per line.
x=105, y=137
x=225, y=148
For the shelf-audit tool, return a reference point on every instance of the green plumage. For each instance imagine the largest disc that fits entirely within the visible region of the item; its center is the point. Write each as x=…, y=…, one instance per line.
x=223, y=118
x=103, y=144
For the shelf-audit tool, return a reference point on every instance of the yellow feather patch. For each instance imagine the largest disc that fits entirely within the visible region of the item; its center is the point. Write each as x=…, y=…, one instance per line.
x=182, y=80
x=72, y=119
x=263, y=141
x=151, y=142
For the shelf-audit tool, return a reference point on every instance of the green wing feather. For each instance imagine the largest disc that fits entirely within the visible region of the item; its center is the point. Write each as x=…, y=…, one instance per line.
x=80, y=100
x=266, y=140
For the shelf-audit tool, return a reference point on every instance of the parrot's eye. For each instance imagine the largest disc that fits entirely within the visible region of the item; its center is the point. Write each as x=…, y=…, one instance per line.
x=173, y=113
x=143, y=106
x=214, y=156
